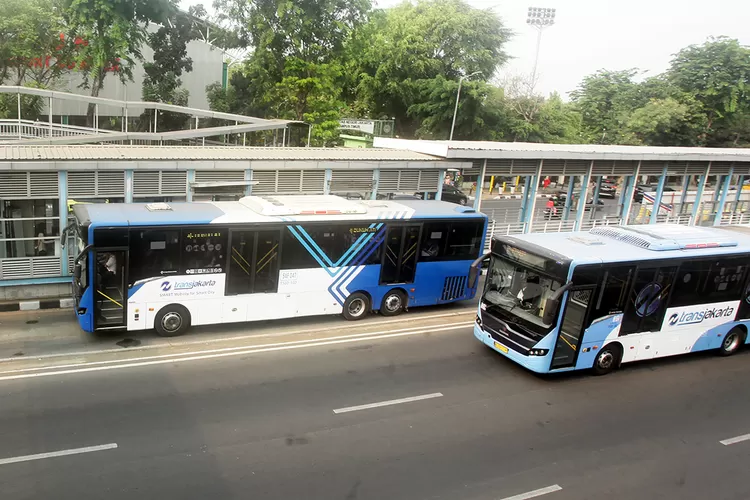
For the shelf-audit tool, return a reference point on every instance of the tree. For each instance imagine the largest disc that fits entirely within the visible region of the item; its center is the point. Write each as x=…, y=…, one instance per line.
x=162, y=81
x=605, y=100
x=112, y=33
x=411, y=47
x=717, y=75
x=295, y=70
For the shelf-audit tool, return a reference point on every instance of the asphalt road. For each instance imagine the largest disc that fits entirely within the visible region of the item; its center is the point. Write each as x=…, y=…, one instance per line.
x=279, y=424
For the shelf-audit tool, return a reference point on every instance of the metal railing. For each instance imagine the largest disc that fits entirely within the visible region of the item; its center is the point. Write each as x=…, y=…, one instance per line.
x=27, y=129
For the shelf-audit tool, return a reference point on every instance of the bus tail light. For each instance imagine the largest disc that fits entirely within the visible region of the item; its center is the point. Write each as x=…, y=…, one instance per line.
x=538, y=352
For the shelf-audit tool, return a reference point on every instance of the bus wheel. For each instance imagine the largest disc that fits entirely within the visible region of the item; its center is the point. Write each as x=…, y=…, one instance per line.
x=607, y=360
x=393, y=303
x=357, y=306
x=732, y=341
x=172, y=321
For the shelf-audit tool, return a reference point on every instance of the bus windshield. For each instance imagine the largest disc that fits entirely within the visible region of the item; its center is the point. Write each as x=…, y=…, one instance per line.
x=518, y=290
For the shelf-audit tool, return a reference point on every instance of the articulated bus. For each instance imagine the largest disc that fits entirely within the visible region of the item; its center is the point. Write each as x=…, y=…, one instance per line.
x=170, y=266
x=597, y=299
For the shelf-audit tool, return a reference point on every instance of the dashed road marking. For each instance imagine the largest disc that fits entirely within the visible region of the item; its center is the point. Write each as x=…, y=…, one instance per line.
x=61, y=453
x=389, y=403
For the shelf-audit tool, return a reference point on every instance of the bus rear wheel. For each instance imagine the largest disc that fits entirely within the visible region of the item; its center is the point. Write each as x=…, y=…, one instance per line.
x=172, y=321
x=393, y=303
x=732, y=342
x=356, y=306
x=607, y=360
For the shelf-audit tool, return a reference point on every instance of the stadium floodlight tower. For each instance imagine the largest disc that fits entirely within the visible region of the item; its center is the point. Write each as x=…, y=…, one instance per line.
x=539, y=18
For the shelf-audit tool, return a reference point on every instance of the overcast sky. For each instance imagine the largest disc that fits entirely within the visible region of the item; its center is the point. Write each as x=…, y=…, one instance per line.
x=612, y=34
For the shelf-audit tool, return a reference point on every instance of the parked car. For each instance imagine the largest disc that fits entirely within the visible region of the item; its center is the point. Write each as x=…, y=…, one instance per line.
x=608, y=189
x=450, y=193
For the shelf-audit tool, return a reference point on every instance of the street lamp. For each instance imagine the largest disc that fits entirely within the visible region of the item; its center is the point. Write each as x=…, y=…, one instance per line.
x=458, y=96
x=539, y=18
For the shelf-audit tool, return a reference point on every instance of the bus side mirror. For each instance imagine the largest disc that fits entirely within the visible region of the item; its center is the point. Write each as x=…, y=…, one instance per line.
x=77, y=272
x=550, y=310
x=473, y=275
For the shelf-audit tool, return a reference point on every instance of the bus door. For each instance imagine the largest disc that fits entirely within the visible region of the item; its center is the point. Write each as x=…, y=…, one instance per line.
x=110, y=297
x=571, y=329
x=400, y=255
x=253, y=262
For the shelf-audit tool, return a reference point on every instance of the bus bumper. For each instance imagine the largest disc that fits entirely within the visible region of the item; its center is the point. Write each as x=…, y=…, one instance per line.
x=537, y=364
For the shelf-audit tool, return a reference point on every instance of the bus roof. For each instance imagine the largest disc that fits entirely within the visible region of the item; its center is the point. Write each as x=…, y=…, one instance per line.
x=269, y=209
x=609, y=244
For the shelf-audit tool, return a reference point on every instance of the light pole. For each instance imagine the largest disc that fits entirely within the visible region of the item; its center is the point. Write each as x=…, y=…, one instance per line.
x=539, y=18
x=458, y=96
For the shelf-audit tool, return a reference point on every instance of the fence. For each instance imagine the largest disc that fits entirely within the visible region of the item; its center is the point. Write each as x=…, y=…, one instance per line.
x=13, y=130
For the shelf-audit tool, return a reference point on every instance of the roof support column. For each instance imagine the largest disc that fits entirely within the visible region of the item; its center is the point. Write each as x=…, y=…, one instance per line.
x=524, y=199
x=49, y=116
x=327, y=181
x=129, y=186
x=595, y=201
x=659, y=193
x=723, y=197
x=627, y=200
x=375, y=184
x=62, y=201
x=441, y=182
x=531, y=204
x=569, y=197
x=685, y=189
x=249, y=177
x=480, y=183
x=190, y=181
x=738, y=195
x=699, y=196
x=582, y=198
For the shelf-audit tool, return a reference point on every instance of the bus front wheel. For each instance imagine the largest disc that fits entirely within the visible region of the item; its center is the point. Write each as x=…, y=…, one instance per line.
x=733, y=340
x=356, y=306
x=172, y=320
x=607, y=360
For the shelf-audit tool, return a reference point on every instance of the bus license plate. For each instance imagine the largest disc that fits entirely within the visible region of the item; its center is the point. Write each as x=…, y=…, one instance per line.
x=501, y=347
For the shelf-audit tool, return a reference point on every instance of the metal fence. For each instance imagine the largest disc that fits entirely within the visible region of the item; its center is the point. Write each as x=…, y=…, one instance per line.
x=13, y=130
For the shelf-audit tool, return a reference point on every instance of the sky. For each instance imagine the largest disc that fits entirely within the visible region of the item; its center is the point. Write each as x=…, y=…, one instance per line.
x=589, y=35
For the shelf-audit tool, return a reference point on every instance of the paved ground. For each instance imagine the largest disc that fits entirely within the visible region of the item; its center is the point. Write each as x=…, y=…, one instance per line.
x=277, y=418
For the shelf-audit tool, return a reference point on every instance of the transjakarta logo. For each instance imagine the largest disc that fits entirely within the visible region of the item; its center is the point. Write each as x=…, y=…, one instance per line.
x=187, y=285
x=692, y=318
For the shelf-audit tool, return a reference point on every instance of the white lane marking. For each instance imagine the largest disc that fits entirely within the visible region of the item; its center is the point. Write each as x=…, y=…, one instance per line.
x=284, y=347
x=61, y=453
x=223, y=349
x=535, y=493
x=322, y=328
x=389, y=403
x=738, y=439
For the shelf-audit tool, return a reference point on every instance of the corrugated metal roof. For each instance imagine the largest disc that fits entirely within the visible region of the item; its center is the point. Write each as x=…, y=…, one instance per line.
x=517, y=150
x=130, y=153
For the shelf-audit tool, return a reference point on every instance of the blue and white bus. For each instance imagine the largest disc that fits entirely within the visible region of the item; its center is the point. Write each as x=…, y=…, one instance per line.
x=616, y=294
x=169, y=266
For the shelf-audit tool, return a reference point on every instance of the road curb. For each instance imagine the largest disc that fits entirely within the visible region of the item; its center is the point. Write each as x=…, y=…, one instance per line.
x=34, y=305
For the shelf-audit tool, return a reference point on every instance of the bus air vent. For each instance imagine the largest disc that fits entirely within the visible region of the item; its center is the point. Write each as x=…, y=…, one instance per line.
x=623, y=236
x=586, y=241
x=454, y=287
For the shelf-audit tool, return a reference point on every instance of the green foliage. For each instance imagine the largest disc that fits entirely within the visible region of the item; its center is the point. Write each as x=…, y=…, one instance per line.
x=162, y=81
x=31, y=50
x=412, y=50
x=113, y=32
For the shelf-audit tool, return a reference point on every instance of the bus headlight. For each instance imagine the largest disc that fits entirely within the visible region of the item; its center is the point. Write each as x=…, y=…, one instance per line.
x=538, y=352
x=479, y=321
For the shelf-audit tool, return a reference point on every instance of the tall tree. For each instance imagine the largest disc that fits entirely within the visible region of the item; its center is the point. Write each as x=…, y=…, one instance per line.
x=411, y=47
x=162, y=80
x=717, y=75
x=295, y=69
x=112, y=33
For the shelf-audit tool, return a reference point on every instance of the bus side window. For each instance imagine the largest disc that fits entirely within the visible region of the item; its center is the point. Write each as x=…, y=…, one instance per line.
x=648, y=299
x=725, y=280
x=689, y=284
x=153, y=252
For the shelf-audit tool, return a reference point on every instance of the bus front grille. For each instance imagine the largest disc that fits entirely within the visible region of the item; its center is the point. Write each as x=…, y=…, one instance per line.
x=454, y=288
